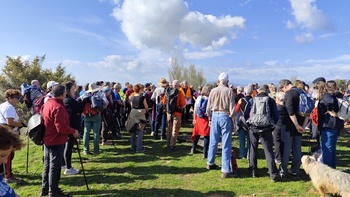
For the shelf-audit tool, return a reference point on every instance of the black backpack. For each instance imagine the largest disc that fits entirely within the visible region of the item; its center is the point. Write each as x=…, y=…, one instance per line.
x=171, y=97
x=36, y=129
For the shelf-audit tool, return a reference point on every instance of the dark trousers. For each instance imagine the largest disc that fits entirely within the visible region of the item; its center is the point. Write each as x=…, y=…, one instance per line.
x=205, y=146
x=278, y=147
x=52, y=168
x=267, y=143
x=105, y=126
x=67, y=157
x=160, y=123
x=186, y=113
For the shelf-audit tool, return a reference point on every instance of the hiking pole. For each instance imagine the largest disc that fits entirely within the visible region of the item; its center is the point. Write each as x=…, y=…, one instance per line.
x=27, y=154
x=81, y=163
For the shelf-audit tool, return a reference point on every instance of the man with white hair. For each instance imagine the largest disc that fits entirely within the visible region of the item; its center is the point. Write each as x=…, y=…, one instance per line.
x=220, y=110
x=174, y=118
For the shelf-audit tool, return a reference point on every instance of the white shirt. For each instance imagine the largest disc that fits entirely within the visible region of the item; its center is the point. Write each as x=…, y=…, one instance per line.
x=157, y=92
x=7, y=111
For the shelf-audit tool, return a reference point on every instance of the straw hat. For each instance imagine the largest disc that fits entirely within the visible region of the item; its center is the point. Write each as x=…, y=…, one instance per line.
x=93, y=87
x=163, y=82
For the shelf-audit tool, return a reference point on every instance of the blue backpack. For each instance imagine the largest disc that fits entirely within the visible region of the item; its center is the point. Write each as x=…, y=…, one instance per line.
x=201, y=110
x=306, y=104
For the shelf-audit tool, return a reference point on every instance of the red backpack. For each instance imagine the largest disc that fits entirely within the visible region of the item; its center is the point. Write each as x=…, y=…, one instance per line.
x=233, y=161
x=38, y=104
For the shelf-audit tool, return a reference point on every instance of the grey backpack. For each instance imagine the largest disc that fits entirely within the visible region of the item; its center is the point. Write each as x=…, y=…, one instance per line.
x=260, y=112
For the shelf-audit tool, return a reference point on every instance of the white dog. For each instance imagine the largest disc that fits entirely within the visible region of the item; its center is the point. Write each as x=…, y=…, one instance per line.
x=326, y=179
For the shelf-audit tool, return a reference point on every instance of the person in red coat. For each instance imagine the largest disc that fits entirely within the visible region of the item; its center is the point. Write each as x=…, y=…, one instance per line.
x=201, y=124
x=57, y=129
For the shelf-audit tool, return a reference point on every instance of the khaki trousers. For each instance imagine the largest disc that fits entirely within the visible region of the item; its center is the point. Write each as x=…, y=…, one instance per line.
x=174, y=124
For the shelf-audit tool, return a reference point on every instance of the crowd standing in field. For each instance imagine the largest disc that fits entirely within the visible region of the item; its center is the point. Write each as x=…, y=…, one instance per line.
x=274, y=117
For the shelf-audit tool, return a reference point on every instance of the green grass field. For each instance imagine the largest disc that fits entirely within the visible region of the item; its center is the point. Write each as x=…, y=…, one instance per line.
x=157, y=172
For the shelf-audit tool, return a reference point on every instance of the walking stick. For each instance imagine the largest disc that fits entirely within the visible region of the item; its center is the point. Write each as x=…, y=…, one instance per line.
x=81, y=163
x=27, y=154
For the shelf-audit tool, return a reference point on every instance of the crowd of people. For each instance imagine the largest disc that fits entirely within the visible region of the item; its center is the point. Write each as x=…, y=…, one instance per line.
x=258, y=114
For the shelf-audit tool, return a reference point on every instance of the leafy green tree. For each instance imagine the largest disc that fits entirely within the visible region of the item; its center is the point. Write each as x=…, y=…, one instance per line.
x=17, y=71
x=190, y=74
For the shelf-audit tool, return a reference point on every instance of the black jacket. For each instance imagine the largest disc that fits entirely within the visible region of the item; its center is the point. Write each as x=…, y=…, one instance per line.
x=74, y=109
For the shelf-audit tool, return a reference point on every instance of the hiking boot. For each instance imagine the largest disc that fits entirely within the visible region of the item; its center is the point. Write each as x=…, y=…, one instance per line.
x=294, y=174
x=44, y=192
x=213, y=167
x=282, y=175
x=173, y=148
x=143, y=149
x=229, y=175
x=70, y=171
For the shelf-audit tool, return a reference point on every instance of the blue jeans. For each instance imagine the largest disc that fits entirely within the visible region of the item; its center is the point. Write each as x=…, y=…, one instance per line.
x=160, y=123
x=136, y=144
x=243, y=135
x=93, y=123
x=221, y=124
x=329, y=139
x=52, y=168
x=290, y=143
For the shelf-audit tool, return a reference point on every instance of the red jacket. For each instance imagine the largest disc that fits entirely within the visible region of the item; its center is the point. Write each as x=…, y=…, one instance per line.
x=56, y=121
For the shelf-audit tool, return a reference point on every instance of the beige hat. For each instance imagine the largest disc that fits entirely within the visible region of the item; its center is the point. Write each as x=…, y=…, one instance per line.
x=93, y=87
x=163, y=82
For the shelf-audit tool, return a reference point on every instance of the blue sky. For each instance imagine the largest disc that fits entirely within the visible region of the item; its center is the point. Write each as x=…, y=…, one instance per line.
x=134, y=40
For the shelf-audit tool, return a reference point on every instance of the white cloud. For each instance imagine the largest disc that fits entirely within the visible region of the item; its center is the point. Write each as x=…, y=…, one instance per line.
x=308, y=16
x=305, y=37
x=206, y=54
x=290, y=25
x=341, y=58
x=271, y=62
x=168, y=25
x=86, y=33
x=195, y=24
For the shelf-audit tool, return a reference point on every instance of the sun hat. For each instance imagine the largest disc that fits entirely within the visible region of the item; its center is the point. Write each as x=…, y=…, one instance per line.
x=93, y=87
x=163, y=82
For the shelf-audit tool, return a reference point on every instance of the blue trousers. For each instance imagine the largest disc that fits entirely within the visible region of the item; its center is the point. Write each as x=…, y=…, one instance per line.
x=136, y=143
x=221, y=125
x=243, y=137
x=329, y=139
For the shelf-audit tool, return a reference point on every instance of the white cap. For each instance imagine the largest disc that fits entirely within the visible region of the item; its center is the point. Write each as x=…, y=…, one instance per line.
x=50, y=84
x=223, y=76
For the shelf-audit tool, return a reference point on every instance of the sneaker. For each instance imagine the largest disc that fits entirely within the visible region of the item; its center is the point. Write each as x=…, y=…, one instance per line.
x=70, y=171
x=213, y=167
x=282, y=175
x=152, y=133
x=13, y=179
x=229, y=175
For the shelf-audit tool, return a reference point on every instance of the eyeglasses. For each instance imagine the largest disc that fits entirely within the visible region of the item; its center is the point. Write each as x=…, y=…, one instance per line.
x=17, y=97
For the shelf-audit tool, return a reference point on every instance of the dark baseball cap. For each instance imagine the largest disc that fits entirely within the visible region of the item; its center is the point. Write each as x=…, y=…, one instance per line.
x=319, y=79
